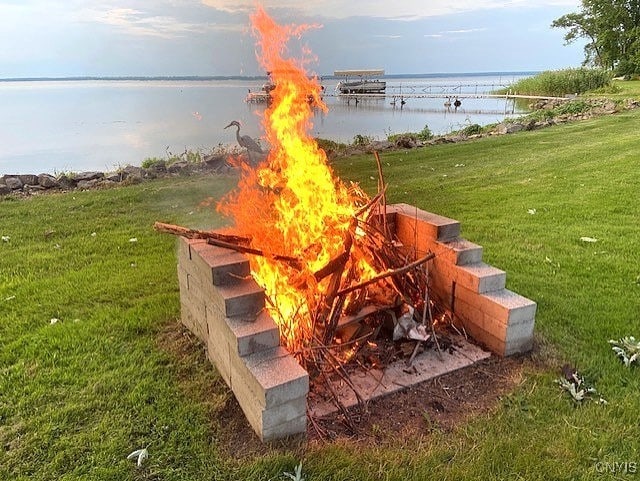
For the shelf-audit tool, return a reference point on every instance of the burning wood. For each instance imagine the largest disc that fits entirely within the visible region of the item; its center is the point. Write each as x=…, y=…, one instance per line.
x=321, y=249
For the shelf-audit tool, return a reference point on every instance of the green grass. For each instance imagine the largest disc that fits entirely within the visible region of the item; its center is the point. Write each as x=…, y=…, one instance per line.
x=79, y=395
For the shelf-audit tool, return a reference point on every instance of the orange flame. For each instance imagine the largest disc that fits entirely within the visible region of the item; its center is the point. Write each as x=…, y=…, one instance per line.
x=292, y=204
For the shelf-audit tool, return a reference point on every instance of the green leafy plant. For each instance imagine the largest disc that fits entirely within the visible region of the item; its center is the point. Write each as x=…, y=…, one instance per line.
x=472, y=129
x=360, y=140
x=575, y=385
x=425, y=133
x=297, y=474
x=627, y=349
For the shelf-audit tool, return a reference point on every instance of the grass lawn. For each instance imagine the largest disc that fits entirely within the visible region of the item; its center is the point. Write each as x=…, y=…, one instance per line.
x=80, y=393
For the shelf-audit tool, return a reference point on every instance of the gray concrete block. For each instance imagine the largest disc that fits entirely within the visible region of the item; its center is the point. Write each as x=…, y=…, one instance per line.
x=459, y=251
x=410, y=221
x=222, y=266
x=273, y=376
x=249, y=337
x=289, y=428
x=245, y=299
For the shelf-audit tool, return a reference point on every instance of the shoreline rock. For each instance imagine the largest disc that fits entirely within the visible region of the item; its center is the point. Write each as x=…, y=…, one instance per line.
x=29, y=184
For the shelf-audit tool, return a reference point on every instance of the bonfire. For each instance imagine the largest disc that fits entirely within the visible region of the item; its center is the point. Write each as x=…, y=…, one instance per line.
x=319, y=247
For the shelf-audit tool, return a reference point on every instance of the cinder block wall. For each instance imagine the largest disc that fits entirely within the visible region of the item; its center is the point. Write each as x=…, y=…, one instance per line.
x=492, y=315
x=224, y=307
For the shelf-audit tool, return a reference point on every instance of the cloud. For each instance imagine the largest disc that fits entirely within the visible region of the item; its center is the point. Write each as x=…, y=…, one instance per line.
x=388, y=36
x=407, y=10
x=467, y=30
x=140, y=23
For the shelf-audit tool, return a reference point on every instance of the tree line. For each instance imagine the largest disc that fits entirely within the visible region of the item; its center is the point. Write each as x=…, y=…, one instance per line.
x=612, y=31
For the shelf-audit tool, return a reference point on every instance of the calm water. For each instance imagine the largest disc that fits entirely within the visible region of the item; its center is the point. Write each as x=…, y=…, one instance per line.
x=99, y=125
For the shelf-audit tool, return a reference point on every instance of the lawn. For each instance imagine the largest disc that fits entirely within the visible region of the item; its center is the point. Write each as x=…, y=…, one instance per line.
x=90, y=370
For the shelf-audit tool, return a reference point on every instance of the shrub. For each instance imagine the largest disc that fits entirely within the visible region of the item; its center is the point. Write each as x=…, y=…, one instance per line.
x=425, y=133
x=472, y=129
x=573, y=107
x=152, y=162
x=360, y=140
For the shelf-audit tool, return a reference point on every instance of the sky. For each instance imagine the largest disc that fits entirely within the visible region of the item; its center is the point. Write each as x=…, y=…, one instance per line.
x=45, y=38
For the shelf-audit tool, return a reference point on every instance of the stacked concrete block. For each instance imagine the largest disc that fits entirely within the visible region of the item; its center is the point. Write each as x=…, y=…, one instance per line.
x=224, y=307
x=474, y=291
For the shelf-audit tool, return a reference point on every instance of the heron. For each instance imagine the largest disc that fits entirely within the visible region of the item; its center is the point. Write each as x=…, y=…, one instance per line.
x=244, y=140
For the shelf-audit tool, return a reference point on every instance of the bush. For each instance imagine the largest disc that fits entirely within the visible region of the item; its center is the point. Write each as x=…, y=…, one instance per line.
x=573, y=107
x=558, y=83
x=472, y=129
x=360, y=140
x=425, y=134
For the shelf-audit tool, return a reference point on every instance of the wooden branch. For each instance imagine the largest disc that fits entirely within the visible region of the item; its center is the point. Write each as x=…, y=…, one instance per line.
x=332, y=266
x=382, y=188
x=386, y=274
x=199, y=234
x=291, y=261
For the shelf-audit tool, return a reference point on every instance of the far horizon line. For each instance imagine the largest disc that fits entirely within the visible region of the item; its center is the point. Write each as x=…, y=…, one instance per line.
x=250, y=77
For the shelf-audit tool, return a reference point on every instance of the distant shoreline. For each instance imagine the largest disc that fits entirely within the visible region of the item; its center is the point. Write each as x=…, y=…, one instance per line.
x=205, y=78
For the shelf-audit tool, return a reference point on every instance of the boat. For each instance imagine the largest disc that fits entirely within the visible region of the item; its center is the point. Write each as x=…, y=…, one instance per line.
x=364, y=84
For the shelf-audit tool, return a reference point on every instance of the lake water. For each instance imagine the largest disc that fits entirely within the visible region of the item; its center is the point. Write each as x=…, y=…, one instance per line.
x=56, y=126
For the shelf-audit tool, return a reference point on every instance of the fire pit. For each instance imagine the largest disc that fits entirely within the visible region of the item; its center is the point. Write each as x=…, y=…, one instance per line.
x=314, y=272
x=224, y=307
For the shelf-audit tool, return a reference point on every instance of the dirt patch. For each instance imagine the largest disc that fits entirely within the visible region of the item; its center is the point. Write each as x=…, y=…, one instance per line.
x=439, y=404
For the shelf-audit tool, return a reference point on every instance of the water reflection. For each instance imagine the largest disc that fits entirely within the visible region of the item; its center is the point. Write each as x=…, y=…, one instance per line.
x=85, y=125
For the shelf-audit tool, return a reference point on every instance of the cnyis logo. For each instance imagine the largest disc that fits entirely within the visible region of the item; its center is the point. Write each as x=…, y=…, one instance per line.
x=620, y=467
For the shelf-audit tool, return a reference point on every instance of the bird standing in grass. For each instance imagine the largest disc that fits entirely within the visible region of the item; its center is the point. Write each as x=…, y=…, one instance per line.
x=246, y=142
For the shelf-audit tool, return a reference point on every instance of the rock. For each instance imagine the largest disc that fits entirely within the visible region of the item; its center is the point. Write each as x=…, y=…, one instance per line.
x=66, y=182
x=105, y=183
x=87, y=184
x=383, y=145
x=158, y=167
x=48, y=181
x=86, y=176
x=28, y=179
x=509, y=128
x=117, y=176
x=133, y=179
x=14, y=183
x=4, y=190
x=30, y=189
x=133, y=170
x=178, y=167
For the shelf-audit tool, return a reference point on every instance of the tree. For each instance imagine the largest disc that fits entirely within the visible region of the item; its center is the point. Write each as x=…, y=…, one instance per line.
x=612, y=30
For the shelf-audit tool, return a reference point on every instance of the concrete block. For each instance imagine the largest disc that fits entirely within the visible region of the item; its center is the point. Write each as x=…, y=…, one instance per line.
x=478, y=334
x=222, y=266
x=504, y=305
x=261, y=418
x=192, y=308
x=219, y=354
x=249, y=337
x=411, y=221
x=518, y=346
x=458, y=251
x=289, y=428
x=245, y=299
x=272, y=376
x=479, y=277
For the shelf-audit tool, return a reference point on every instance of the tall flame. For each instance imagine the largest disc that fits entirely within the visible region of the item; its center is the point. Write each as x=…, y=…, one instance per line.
x=291, y=204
